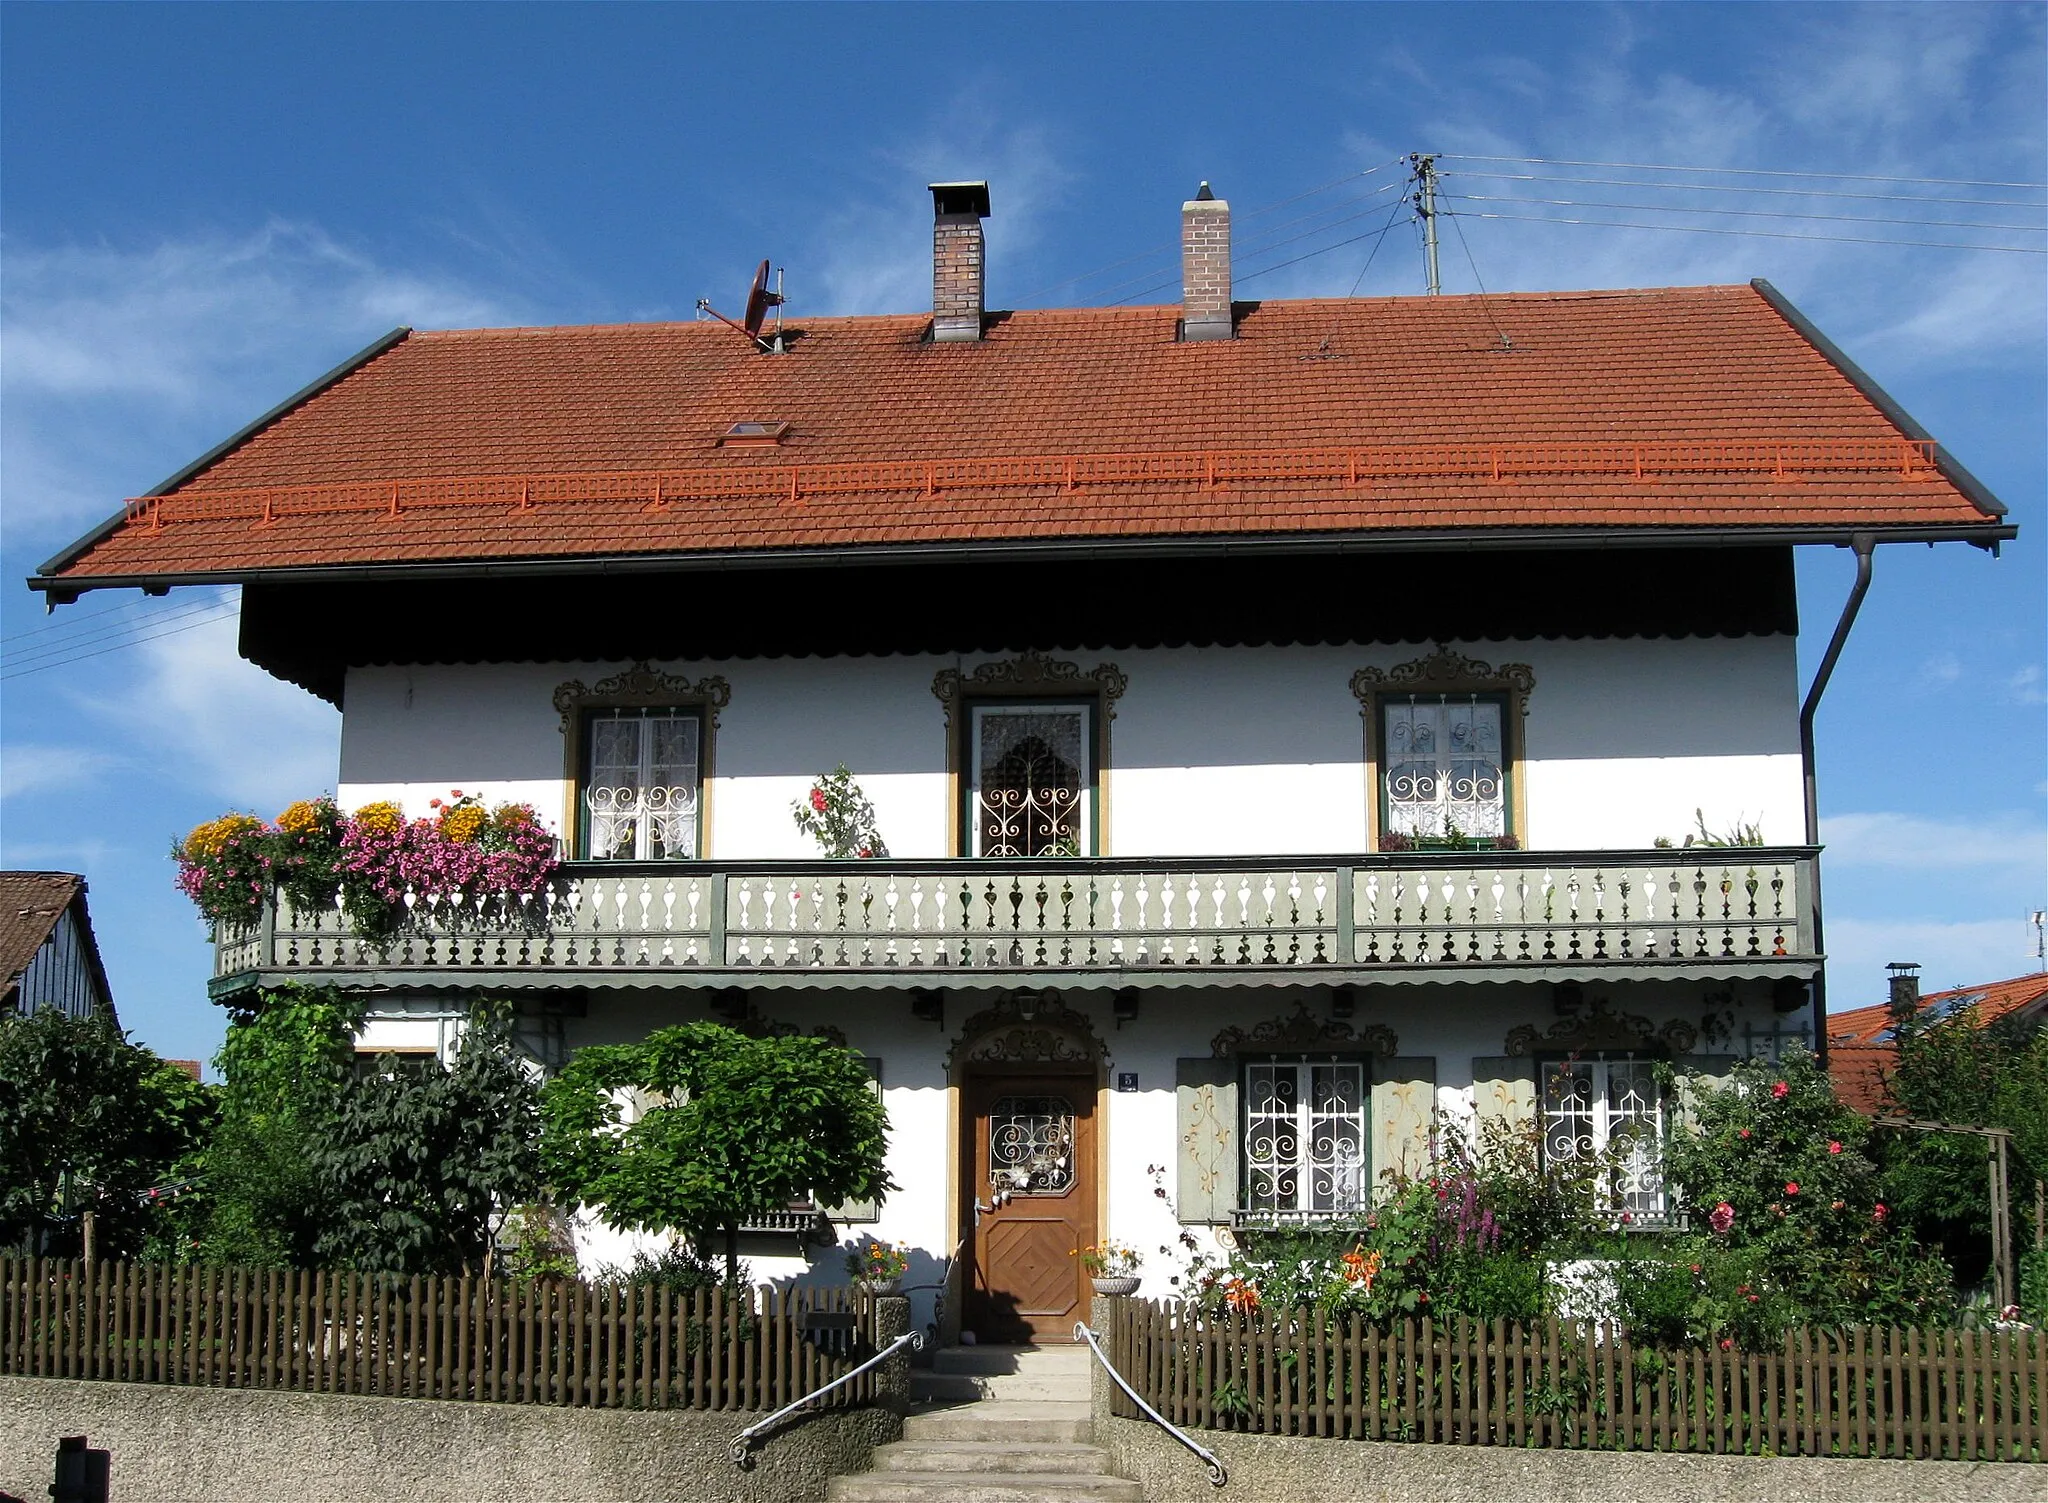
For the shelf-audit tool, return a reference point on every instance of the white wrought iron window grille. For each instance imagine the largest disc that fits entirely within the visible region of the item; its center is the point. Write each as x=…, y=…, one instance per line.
x=1609, y=1113
x=640, y=793
x=1304, y=1139
x=1030, y=781
x=1031, y=1145
x=1445, y=772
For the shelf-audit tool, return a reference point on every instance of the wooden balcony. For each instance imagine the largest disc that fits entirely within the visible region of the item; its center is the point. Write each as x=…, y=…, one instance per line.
x=1413, y=917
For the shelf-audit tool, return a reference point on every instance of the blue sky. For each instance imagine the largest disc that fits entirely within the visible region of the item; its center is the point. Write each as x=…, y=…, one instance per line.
x=206, y=206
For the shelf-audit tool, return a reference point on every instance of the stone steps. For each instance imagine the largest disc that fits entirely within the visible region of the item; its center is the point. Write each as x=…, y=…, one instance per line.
x=1015, y=1430
x=982, y=1487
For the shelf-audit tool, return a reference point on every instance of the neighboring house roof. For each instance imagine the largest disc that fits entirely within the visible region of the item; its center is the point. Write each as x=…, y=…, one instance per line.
x=1676, y=411
x=32, y=905
x=1860, y=1041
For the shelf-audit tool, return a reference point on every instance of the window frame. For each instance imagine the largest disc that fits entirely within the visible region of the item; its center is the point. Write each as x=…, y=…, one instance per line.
x=1246, y=1213
x=638, y=688
x=1029, y=678
x=1610, y=1203
x=1451, y=676
x=1509, y=782
x=969, y=781
x=593, y=716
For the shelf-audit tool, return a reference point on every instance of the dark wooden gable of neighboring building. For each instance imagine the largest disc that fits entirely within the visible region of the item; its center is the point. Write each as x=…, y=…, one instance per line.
x=48, y=954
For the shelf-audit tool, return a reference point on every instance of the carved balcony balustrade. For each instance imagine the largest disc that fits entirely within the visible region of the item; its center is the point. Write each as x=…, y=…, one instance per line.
x=1415, y=916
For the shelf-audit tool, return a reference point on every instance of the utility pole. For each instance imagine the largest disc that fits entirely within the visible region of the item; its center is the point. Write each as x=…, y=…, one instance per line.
x=1423, y=165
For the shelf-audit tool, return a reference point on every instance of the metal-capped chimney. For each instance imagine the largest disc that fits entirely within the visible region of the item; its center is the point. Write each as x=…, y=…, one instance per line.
x=959, y=268
x=1904, y=988
x=1205, y=266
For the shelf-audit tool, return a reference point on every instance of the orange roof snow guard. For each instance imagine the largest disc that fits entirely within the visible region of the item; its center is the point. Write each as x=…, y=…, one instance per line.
x=1694, y=415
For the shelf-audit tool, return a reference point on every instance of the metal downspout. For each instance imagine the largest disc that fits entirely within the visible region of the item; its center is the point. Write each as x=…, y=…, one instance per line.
x=1865, y=545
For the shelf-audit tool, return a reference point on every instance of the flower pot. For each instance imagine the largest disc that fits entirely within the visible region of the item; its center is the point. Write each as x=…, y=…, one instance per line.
x=1121, y=1284
x=874, y=1288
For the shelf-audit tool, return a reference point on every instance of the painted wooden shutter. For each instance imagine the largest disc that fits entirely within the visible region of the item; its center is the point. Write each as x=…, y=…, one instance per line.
x=1205, y=1168
x=1697, y=1073
x=1403, y=1115
x=861, y=1210
x=1504, y=1090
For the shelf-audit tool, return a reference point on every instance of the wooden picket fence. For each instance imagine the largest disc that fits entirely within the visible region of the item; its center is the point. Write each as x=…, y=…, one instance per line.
x=1976, y=1395
x=607, y=1346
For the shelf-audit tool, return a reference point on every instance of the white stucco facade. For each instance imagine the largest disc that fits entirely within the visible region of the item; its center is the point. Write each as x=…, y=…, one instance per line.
x=1212, y=751
x=1240, y=751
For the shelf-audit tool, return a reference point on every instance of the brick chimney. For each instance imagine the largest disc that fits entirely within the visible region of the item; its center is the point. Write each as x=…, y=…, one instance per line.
x=1904, y=990
x=1205, y=266
x=959, y=270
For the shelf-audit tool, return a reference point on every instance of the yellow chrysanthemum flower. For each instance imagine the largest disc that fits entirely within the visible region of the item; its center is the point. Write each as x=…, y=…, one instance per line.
x=383, y=816
x=301, y=818
x=210, y=839
x=463, y=823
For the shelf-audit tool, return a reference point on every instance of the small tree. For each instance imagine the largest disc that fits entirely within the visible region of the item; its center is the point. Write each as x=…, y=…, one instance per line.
x=837, y=815
x=287, y=1059
x=1951, y=1069
x=89, y=1122
x=424, y=1164
x=731, y=1127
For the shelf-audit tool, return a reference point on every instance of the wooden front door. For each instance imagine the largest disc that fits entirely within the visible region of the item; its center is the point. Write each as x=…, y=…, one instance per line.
x=1031, y=1138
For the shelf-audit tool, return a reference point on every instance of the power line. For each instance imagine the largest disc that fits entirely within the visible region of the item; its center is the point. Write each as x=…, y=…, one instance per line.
x=1579, y=203
x=1258, y=249
x=1838, y=177
x=1746, y=188
x=1164, y=248
x=97, y=652
x=104, y=630
x=1471, y=261
x=1698, y=229
x=71, y=622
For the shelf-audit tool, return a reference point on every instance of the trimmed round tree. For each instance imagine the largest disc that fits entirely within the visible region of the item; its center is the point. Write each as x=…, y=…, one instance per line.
x=730, y=1127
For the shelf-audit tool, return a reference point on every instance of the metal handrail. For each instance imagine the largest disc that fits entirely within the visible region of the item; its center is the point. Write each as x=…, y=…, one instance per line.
x=1217, y=1475
x=738, y=1447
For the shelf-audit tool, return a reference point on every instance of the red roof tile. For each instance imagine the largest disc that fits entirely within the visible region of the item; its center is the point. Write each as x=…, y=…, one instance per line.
x=1426, y=380
x=1860, y=1049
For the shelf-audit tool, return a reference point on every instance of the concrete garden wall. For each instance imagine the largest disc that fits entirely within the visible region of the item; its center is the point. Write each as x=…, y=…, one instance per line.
x=213, y=1445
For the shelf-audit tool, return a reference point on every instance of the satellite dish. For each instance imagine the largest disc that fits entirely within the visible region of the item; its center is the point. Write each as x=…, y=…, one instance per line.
x=759, y=301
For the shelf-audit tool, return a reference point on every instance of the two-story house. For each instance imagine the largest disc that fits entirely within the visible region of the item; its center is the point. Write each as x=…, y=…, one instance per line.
x=1271, y=709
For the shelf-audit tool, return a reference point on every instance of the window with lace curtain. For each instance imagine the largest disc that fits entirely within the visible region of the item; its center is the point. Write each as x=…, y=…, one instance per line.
x=641, y=784
x=1031, y=779
x=1445, y=769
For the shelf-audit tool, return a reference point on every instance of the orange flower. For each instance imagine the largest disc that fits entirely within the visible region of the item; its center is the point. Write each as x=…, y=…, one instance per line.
x=1240, y=1295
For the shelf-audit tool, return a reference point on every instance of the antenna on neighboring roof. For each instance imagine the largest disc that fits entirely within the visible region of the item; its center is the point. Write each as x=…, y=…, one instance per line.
x=1423, y=164
x=759, y=301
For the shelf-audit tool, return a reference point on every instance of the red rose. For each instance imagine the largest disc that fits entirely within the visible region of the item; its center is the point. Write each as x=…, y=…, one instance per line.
x=818, y=799
x=1834, y=1148
x=1780, y=1091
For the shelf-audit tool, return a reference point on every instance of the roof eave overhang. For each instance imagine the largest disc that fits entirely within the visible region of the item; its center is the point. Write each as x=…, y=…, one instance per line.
x=63, y=588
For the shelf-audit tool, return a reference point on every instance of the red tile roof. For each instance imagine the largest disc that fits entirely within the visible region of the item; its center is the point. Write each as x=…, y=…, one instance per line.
x=1663, y=408
x=1860, y=1051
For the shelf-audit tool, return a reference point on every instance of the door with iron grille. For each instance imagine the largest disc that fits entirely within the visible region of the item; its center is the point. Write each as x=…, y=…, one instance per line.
x=1029, y=1143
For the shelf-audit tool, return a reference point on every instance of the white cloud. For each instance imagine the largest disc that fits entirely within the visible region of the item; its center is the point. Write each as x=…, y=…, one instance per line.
x=2008, y=844
x=120, y=356
x=2025, y=686
x=1941, y=670
x=1964, y=953
x=1861, y=89
x=31, y=767
x=221, y=724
